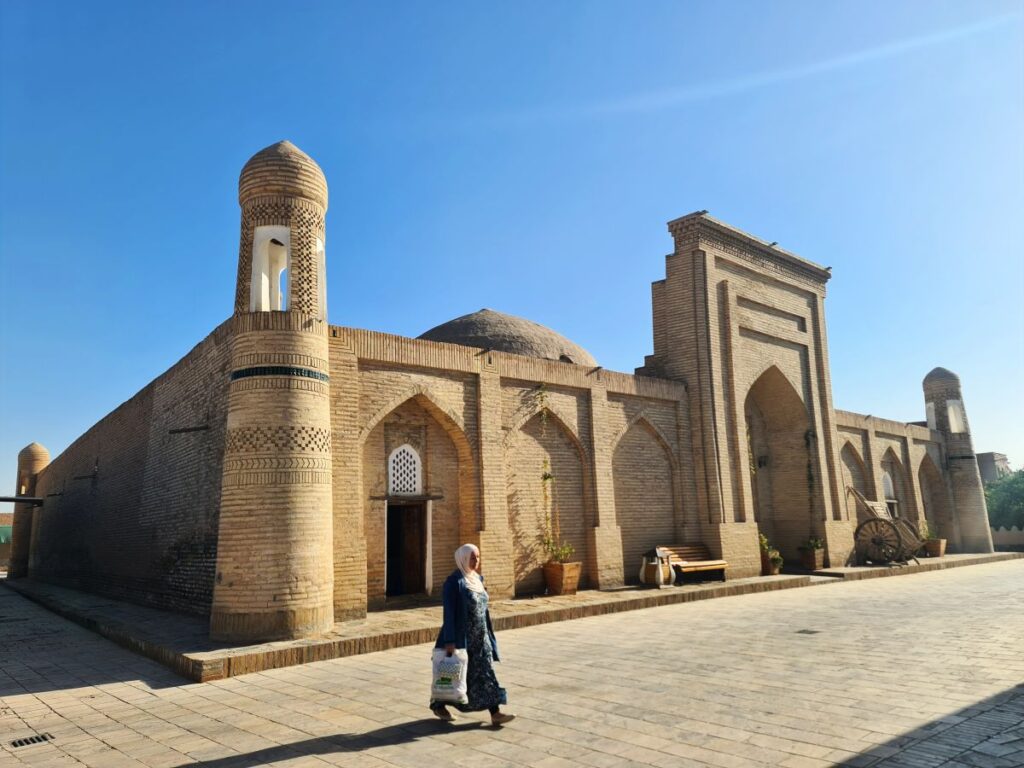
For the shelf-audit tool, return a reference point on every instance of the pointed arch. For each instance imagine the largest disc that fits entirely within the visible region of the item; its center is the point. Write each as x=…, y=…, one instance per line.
x=432, y=403
x=855, y=475
x=547, y=480
x=642, y=418
x=553, y=413
x=894, y=480
x=646, y=487
x=778, y=428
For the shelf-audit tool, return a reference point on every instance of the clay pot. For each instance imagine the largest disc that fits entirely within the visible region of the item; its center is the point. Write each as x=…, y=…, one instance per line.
x=562, y=578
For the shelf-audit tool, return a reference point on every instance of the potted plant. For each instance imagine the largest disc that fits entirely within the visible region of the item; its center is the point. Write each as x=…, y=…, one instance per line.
x=766, y=549
x=812, y=554
x=775, y=562
x=561, y=576
x=933, y=546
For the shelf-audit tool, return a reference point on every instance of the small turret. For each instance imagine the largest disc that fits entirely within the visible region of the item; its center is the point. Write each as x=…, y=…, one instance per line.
x=944, y=407
x=32, y=459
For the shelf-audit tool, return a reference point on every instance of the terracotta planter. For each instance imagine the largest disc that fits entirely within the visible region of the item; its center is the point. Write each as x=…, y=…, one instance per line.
x=773, y=570
x=812, y=559
x=766, y=563
x=935, y=547
x=562, y=578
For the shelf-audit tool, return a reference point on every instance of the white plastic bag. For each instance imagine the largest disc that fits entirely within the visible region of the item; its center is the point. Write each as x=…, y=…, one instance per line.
x=449, y=678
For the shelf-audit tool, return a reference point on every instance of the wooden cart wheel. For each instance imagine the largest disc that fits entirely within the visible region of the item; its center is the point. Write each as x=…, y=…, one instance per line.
x=878, y=540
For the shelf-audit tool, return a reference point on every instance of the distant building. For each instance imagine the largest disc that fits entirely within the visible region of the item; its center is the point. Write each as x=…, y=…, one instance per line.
x=287, y=473
x=993, y=466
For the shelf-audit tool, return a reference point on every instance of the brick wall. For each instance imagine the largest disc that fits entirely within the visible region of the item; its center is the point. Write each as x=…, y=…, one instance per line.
x=131, y=506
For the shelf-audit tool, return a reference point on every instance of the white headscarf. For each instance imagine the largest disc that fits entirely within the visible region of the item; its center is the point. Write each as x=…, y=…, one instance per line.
x=462, y=554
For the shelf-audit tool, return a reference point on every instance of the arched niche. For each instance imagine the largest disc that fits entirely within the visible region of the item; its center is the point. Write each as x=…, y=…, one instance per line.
x=854, y=476
x=545, y=478
x=778, y=435
x=645, y=497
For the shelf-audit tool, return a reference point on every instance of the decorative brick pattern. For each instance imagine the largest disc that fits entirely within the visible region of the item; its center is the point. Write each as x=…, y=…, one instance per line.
x=284, y=437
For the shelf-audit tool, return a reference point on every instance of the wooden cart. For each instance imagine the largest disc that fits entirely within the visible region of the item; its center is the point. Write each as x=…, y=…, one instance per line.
x=883, y=539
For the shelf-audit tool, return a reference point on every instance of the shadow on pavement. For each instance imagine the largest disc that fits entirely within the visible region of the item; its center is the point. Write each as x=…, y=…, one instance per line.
x=988, y=734
x=389, y=736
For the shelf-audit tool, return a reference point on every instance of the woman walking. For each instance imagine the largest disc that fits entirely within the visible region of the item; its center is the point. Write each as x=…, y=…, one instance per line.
x=467, y=624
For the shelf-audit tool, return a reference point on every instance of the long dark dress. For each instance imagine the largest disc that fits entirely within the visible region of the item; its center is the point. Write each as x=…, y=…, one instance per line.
x=482, y=688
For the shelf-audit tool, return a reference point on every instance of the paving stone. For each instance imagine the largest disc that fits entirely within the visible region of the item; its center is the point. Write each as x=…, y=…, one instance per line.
x=721, y=683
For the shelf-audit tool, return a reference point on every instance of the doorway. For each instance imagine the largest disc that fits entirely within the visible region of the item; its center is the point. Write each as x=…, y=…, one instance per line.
x=406, y=549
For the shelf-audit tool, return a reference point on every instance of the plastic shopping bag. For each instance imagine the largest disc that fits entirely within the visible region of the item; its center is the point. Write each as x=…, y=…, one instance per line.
x=450, y=676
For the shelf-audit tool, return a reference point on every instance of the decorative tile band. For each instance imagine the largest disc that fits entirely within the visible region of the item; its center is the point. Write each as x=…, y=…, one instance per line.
x=279, y=370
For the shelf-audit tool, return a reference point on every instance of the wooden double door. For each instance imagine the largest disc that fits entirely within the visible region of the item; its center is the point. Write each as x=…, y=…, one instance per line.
x=406, y=549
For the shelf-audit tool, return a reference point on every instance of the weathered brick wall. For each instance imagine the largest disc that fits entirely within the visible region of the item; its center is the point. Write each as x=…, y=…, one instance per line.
x=131, y=506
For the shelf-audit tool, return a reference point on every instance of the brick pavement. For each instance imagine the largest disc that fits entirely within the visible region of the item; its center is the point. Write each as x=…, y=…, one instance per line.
x=923, y=670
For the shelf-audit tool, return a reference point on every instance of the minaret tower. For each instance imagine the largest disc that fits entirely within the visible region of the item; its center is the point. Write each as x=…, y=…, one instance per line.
x=946, y=414
x=32, y=459
x=275, y=571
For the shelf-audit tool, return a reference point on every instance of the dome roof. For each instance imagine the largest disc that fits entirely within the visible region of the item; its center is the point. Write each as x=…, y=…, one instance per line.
x=33, y=452
x=941, y=374
x=488, y=329
x=282, y=169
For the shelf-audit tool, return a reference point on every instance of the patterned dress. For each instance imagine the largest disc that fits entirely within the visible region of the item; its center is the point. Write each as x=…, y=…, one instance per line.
x=482, y=686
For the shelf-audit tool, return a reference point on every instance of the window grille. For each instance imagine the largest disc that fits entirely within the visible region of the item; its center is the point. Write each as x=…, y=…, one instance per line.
x=405, y=472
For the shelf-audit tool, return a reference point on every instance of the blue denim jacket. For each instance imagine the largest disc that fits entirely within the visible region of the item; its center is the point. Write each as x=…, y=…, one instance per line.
x=456, y=614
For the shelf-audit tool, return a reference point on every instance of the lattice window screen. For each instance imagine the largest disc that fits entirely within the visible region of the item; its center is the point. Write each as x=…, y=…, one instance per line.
x=405, y=473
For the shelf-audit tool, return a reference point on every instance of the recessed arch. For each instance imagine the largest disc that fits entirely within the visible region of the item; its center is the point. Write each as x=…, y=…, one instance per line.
x=855, y=475
x=646, y=492
x=778, y=438
x=642, y=417
x=546, y=480
x=547, y=411
x=448, y=418
x=895, y=487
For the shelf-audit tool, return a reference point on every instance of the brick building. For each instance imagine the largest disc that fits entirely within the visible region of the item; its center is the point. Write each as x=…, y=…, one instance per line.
x=287, y=473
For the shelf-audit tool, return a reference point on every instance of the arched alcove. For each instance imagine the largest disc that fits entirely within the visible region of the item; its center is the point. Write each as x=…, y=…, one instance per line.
x=854, y=476
x=894, y=485
x=544, y=467
x=777, y=436
x=642, y=474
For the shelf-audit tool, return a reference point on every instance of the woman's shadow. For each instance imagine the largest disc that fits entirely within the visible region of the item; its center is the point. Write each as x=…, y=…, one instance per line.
x=388, y=736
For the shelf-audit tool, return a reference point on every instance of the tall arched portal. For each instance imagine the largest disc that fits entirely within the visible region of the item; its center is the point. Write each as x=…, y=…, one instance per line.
x=778, y=432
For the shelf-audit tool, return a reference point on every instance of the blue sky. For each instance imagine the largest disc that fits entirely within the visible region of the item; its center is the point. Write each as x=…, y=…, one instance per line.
x=523, y=157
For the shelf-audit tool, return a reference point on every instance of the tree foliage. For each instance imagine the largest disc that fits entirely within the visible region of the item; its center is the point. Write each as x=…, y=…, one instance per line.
x=1005, y=500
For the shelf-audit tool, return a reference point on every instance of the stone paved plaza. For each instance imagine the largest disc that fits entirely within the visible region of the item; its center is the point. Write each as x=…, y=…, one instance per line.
x=920, y=670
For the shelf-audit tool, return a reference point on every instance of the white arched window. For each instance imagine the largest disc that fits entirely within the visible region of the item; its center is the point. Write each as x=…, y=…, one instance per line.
x=888, y=488
x=405, y=472
x=271, y=258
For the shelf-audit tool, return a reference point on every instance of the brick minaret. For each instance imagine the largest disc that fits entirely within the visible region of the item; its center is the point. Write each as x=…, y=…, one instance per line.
x=31, y=461
x=275, y=575
x=946, y=413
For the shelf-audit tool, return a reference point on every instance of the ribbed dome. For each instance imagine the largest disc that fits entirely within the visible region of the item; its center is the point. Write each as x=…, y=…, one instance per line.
x=282, y=169
x=33, y=452
x=488, y=329
x=941, y=374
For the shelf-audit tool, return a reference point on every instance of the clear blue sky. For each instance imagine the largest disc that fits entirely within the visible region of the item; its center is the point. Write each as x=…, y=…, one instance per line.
x=523, y=157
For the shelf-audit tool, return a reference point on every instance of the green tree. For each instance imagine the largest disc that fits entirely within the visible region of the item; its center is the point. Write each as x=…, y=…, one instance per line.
x=1005, y=499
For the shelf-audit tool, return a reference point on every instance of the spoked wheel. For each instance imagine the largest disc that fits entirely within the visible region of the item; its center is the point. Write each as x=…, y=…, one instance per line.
x=878, y=540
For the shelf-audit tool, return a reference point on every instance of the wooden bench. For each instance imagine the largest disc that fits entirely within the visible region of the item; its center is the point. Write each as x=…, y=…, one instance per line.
x=692, y=558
